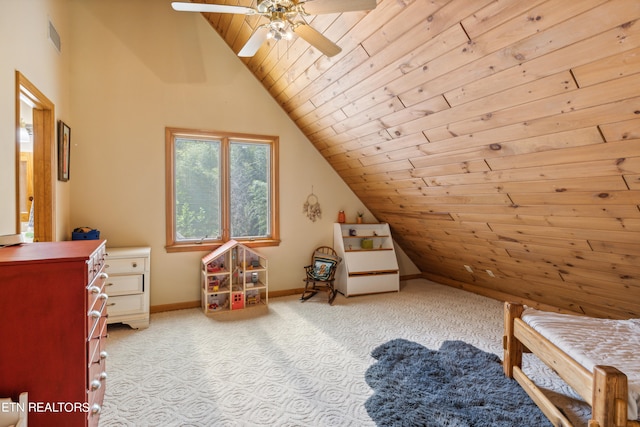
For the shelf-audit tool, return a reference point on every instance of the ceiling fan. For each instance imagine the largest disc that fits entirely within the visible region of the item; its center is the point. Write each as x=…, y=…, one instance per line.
x=285, y=16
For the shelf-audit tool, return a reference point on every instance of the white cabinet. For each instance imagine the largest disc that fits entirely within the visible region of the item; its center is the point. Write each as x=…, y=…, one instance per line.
x=234, y=277
x=128, y=285
x=369, y=264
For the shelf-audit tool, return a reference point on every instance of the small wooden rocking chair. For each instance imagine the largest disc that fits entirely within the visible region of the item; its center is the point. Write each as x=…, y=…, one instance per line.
x=320, y=274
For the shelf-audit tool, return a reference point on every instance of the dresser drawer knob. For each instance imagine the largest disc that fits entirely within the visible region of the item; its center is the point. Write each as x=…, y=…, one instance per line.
x=95, y=314
x=95, y=409
x=134, y=264
x=95, y=384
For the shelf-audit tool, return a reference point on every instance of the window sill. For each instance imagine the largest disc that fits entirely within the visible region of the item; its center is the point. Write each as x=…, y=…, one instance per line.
x=209, y=246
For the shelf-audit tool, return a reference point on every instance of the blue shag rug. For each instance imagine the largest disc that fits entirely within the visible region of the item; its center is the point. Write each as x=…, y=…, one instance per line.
x=458, y=386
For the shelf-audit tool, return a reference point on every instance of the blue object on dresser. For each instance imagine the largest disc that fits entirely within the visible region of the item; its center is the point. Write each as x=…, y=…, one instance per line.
x=85, y=233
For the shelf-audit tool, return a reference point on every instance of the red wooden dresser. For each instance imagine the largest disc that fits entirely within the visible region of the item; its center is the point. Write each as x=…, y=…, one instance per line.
x=53, y=330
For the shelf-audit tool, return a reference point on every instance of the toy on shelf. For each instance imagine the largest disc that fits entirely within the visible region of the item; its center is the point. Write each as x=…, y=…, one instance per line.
x=218, y=303
x=214, y=268
x=253, y=298
x=216, y=283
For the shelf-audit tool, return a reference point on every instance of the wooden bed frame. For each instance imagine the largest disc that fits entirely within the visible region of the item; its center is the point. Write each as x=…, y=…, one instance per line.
x=605, y=390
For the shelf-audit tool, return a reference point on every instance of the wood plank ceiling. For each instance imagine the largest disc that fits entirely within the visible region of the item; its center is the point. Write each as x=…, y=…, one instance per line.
x=503, y=135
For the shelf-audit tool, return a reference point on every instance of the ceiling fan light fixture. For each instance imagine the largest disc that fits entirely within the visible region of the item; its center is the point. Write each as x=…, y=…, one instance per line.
x=283, y=22
x=274, y=34
x=278, y=23
x=286, y=35
x=277, y=33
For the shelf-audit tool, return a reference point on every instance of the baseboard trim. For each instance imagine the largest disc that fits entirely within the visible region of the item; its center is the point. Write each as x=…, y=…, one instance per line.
x=174, y=306
x=285, y=293
x=196, y=304
x=490, y=293
x=273, y=294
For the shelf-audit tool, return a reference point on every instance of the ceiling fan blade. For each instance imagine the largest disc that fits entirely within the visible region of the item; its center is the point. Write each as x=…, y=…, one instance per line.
x=255, y=41
x=317, y=40
x=215, y=8
x=317, y=7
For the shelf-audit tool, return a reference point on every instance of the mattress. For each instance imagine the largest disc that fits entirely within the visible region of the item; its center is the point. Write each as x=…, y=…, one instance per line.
x=592, y=341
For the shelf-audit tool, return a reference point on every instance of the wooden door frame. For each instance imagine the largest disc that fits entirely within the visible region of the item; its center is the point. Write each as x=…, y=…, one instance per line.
x=26, y=198
x=43, y=160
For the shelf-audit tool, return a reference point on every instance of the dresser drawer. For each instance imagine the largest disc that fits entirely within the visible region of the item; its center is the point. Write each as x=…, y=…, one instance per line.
x=96, y=289
x=124, y=266
x=97, y=375
x=96, y=319
x=126, y=304
x=95, y=263
x=124, y=285
x=95, y=393
x=96, y=347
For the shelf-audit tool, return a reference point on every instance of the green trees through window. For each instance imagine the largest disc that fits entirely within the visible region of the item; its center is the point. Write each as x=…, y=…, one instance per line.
x=197, y=189
x=249, y=189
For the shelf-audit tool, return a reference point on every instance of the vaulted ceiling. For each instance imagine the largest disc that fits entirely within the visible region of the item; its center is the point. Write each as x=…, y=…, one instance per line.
x=501, y=135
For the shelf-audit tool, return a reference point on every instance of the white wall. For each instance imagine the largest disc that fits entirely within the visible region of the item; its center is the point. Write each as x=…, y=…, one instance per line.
x=25, y=47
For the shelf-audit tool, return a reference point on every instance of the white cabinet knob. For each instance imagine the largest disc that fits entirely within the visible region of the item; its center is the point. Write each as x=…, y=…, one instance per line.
x=95, y=314
x=95, y=409
x=104, y=354
x=95, y=384
x=104, y=275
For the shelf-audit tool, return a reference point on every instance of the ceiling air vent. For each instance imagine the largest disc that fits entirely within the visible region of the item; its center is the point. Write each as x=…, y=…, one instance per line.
x=54, y=36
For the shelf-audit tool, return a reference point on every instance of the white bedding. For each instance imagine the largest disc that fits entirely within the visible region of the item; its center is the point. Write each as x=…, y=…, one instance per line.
x=591, y=341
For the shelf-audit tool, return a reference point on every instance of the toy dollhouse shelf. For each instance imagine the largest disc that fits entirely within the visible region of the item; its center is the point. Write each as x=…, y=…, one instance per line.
x=234, y=277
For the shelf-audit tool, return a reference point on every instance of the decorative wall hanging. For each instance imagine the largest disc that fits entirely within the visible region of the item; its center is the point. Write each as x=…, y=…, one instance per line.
x=311, y=207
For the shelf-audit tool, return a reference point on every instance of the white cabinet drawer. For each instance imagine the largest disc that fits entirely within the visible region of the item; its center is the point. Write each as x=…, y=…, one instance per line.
x=121, y=266
x=125, y=304
x=363, y=261
x=119, y=285
x=359, y=285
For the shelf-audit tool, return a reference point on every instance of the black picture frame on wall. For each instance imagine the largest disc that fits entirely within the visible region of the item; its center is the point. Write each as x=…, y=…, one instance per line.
x=64, y=150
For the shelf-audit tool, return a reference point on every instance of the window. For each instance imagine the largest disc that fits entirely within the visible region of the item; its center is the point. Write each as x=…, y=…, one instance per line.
x=220, y=186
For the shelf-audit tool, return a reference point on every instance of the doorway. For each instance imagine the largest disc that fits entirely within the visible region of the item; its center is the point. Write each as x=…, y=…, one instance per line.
x=35, y=155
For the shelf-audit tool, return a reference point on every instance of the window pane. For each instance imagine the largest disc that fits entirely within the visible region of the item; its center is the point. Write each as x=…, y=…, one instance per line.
x=249, y=189
x=197, y=189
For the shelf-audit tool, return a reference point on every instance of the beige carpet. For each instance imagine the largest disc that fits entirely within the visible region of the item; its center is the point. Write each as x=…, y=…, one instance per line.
x=294, y=364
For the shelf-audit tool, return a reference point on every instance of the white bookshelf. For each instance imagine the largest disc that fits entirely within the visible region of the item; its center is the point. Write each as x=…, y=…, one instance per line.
x=369, y=263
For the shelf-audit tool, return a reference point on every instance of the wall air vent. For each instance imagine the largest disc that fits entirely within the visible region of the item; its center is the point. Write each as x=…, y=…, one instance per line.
x=54, y=36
